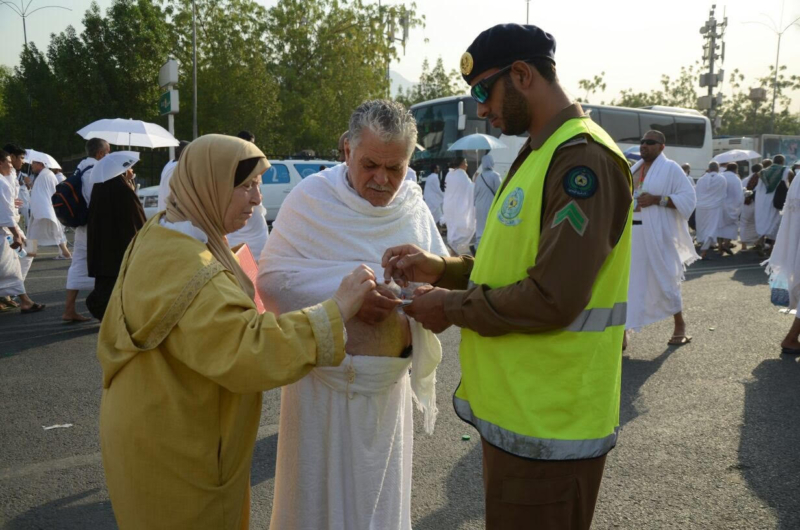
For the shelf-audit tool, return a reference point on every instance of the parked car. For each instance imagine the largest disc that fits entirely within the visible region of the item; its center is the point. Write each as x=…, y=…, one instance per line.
x=276, y=183
x=282, y=177
x=149, y=199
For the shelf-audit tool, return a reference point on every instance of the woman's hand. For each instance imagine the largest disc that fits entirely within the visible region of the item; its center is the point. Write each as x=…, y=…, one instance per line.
x=354, y=287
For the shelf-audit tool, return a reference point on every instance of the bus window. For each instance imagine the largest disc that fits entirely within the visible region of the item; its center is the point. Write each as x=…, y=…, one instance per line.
x=623, y=126
x=657, y=122
x=691, y=132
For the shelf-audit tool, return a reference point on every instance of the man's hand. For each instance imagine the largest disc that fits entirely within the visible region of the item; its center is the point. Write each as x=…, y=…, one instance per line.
x=18, y=203
x=409, y=263
x=645, y=200
x=428, y=308
x=378, y=305
x=18, y=239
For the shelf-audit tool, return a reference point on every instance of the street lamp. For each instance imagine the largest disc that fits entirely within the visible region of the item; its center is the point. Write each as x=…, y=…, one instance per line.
x=776, y=29
x=23, y=11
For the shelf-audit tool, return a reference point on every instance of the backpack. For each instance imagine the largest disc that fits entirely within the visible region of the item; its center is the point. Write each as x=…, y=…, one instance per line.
x=68, y=202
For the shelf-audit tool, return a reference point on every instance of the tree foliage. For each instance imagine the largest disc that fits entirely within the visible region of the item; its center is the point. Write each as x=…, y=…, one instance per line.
x=738, y=114
x=291, y=74
x=436, y=83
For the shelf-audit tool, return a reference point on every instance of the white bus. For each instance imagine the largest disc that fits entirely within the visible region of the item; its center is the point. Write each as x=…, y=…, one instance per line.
x=443, y=121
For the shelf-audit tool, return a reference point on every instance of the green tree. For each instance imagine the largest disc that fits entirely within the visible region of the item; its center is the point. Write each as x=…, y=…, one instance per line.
x=591, y=86
x=236, y=90
x=328, y=56
x=741, y=116
x=436, y=83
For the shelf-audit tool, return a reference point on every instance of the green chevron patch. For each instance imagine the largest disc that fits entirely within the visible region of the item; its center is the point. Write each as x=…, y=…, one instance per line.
x=573, y=214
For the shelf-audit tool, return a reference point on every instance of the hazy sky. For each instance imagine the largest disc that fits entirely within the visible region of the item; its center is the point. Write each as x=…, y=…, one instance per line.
x=633, y=42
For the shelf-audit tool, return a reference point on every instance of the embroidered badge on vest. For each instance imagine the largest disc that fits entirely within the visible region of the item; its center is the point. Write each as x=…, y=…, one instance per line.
x=512, y=205
x=580, y=182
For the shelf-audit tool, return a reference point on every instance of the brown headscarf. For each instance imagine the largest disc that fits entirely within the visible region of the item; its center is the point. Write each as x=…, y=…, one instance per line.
x=201, y=189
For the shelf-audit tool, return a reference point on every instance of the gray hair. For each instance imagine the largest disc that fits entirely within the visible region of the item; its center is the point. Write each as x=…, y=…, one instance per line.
x=389, y=120
x=713, y=166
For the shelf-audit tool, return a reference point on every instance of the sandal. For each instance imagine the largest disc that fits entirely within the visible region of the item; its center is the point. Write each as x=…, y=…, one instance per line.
x=679, y=340
x=35, y=308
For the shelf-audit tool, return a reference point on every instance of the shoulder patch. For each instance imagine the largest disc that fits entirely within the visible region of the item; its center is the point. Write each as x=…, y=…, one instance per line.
x=580, y=182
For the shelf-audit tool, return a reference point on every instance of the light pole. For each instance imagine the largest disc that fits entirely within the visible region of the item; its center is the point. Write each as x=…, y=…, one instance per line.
x=527, y=11
x=776, y=29
x=23, y=11
x=194, y=70
x=757, y=97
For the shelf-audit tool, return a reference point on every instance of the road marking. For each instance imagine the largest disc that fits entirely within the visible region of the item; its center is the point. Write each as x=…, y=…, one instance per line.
x=72, y=328
x=727, y=268
x=86, y=460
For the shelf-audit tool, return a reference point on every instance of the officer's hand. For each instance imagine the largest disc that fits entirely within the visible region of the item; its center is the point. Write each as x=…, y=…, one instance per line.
x=378, y=305
x=428, y=308
x=409, y=263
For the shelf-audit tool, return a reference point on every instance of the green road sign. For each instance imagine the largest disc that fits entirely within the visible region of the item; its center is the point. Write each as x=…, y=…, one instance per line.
x=168, y=102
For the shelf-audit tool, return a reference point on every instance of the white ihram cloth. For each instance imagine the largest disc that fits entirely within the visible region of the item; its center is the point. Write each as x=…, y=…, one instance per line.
x=768, y=218
x=346, y=433
x=254, y=233
x=662, y=247
x=78, y=275
x=163, y=185
x=784, y=262
x=434, y=196
x=45, y=227
x=486, y=185
x=712, y=190
x=458, y=210
x=11, y=278
x=734, y=200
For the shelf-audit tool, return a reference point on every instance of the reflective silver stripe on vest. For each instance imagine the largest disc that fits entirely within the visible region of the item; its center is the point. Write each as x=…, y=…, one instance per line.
x=536, y=448
x=600, y=318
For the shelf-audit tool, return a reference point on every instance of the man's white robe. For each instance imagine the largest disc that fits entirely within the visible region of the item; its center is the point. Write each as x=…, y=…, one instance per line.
x=662, y=247
x=78, y=275
x=734, y=200
x=163, y=185
x=768, y=218
x=11, y=279
x=458, y=210
x=45, y=227
x=747, y=220
x=712, y=190
x=784, y=262
x=434, y=196
x=346, y=433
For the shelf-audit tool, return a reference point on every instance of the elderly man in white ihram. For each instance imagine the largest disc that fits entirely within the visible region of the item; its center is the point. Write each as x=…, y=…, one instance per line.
x=712, y=190
x=346, y=433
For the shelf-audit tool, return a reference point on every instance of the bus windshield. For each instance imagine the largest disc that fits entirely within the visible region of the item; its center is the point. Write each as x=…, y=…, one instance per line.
x=437, y=127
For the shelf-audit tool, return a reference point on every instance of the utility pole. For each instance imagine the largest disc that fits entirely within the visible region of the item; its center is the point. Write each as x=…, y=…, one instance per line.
x=194, y=70
x=527, y=11
x=713, y=33
x=779, y=31
x=405, y=22
x=23, y=11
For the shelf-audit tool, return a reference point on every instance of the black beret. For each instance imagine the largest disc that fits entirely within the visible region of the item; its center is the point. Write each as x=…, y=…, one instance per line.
x=503, y=44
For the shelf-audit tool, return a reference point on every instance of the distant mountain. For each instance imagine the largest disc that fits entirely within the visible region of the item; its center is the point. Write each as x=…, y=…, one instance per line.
x=398, y=81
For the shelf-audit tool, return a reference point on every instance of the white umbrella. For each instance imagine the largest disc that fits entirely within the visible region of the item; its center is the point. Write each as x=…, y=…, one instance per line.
x=477, y=142
x=736, y=155
x=32, y=155
x=113, y=165
x=129, y=132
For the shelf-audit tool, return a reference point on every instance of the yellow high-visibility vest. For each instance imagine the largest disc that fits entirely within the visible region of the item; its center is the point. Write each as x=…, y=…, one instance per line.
x=553, y=395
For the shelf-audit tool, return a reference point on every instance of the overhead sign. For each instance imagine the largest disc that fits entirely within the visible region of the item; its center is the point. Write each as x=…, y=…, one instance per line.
x=168, y=75
x=168, y=103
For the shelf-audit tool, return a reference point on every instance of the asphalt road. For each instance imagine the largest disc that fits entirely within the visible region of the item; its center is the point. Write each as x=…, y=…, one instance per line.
x=710, y=436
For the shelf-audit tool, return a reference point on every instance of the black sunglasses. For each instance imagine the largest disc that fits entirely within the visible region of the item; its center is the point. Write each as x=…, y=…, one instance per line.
x=483, y=88
x=648, y=141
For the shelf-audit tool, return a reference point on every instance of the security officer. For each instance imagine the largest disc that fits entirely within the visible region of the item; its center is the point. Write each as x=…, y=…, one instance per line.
x=543, y=310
